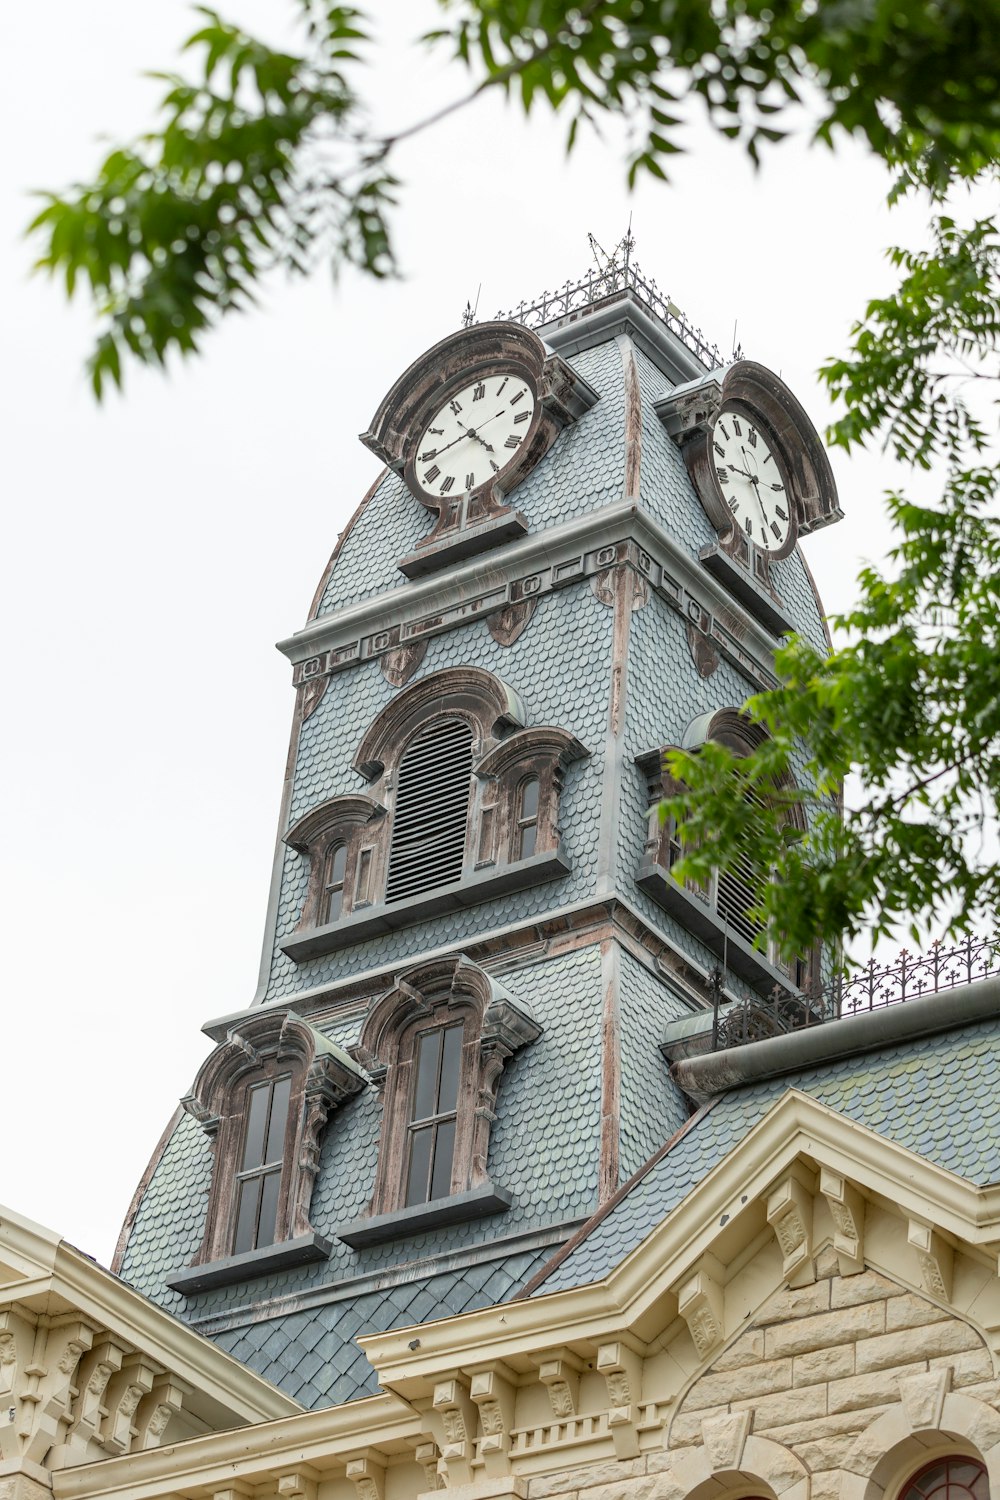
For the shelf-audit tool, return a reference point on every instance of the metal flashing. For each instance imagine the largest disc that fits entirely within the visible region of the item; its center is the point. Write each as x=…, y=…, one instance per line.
x=263, y=1261
x=477, y=1203
x=850, y=1036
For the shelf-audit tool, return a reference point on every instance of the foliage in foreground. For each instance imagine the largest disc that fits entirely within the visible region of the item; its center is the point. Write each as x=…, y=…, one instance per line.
x=262, y=160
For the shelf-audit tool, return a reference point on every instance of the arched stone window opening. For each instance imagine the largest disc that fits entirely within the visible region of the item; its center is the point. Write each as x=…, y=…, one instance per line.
x=954, y=1477
x=465, y=807
x=437, y=1045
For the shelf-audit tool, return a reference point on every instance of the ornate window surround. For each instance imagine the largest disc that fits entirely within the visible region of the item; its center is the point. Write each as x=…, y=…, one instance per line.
x=693, y=907
x=438, y=992
x=505, y=754
x=272, y=1044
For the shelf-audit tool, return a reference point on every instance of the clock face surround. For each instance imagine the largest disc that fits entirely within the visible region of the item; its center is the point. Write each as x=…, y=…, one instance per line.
x=474, y=434
x=751, y=479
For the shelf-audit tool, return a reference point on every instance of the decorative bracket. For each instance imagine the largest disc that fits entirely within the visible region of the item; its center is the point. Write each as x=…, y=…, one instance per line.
x=559, y=1372
x=935, y=1257
x=492, y=1391
x=790, y=1214
x=847, y=1210
x=621, y=1367
x=367, y=1474
x=700, y=1304
x=458, y=1420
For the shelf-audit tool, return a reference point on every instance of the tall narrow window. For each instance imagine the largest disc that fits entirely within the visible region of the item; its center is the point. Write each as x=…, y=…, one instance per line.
x=432, y=810
x=334, y=872
x=258, y=1181
x=430, y=1148
x=527, y=817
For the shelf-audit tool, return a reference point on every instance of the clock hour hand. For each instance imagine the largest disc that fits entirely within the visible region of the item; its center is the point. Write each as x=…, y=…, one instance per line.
x=473, y=432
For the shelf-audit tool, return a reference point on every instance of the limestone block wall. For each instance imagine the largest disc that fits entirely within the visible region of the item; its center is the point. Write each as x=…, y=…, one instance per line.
x=838, y=1388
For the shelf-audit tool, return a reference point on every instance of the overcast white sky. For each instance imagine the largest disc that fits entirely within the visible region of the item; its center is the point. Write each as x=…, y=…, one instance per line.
x=154, y=550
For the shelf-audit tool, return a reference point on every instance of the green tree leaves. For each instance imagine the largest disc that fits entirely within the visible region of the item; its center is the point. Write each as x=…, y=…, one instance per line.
x=242, y=176
x=263, y=160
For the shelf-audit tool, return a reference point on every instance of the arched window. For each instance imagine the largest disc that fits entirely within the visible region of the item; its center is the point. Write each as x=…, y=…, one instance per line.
x=334, y=874
x=263, y=1097
x=952, y=1478
x=436, y=1045
x=464, y=808
x=720, y=911
x=430, y=1133
x=430, y=819
x=527, y=817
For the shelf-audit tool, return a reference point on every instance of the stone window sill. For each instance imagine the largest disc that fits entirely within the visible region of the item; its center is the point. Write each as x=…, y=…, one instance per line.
x=260, y=1262
x=762, y=605
x=462, y=544
x=479, y=885
x=477, y=1203
x=708, y=926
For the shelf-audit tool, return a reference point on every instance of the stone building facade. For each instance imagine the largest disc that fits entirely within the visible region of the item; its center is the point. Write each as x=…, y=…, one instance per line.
x=529, y=1171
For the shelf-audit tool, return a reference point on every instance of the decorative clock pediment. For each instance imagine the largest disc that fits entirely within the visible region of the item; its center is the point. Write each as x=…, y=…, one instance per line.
x=465, y=424
x=759, y=468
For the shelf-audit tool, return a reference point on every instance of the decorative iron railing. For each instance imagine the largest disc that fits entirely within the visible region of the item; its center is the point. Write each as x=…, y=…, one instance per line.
x=875, y=986
x=618, y=277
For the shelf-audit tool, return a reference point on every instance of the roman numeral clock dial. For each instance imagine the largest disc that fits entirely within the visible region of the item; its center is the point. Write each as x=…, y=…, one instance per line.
x=751, y=480
x=474, y=435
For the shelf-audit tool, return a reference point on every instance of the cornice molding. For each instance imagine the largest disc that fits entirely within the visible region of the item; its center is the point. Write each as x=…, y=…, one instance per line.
x=50, y=1266
x=796, y=1126
x=217, y=1460
x=619, y=535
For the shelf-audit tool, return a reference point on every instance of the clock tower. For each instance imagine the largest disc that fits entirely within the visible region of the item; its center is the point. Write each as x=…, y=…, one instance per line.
x=581, y=550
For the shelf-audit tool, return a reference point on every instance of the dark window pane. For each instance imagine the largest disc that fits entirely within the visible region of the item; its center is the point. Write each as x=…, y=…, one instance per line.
x=529, y=798
x=278, y=1120
x=451, y=1066
x=420, y=1161
x=528, y=835
x=337, y=864
x=253, y=1141
x=247, y=1199
x=268, y=1208
x=334, y=904
x=426, y=1085
x=443, y=1153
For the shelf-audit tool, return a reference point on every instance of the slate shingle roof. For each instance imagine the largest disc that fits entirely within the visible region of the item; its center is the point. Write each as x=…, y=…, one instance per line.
x=926, y=1095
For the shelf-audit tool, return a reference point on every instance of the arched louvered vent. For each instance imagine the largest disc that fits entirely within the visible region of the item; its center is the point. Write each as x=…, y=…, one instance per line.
x=432, y=810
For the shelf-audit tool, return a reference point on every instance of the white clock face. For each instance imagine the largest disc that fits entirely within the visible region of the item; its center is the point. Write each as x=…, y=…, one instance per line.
x=474, y=436
x=750, y=480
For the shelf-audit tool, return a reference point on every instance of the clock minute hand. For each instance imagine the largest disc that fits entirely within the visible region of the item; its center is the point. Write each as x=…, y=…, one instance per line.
x=436, y=453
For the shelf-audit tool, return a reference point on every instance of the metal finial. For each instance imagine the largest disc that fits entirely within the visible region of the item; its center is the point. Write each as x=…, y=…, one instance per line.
x=469, y=316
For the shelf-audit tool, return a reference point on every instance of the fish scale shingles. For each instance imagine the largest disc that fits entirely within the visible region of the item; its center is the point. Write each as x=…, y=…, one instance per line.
x=921, y=1094
x=652, y=1106
x=312, y=1354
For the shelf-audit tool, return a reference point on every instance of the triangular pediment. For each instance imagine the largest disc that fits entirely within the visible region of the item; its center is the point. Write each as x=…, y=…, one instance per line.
x=802, y=1180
